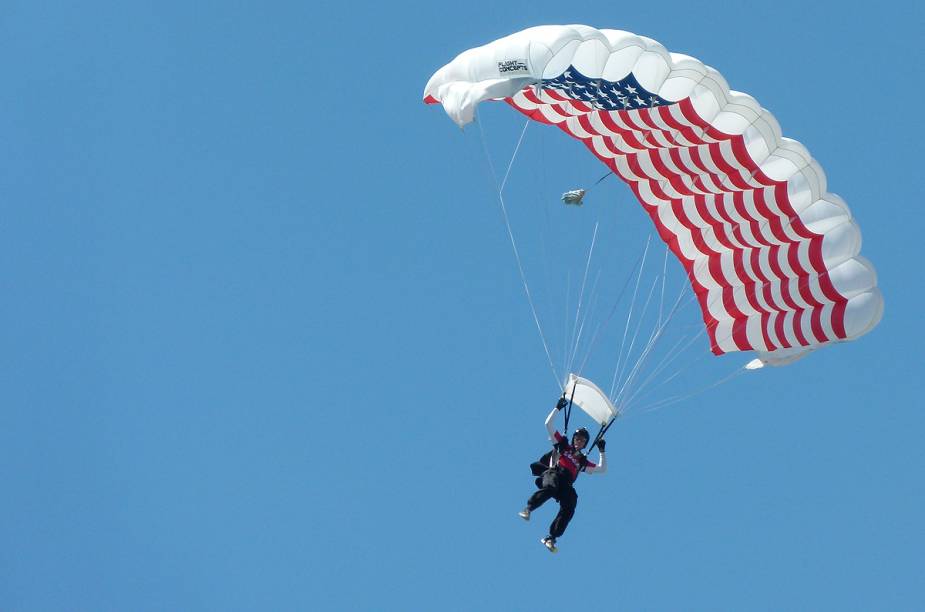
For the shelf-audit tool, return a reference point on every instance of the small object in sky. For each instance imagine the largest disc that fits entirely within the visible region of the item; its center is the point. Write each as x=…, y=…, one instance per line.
x=573, y=197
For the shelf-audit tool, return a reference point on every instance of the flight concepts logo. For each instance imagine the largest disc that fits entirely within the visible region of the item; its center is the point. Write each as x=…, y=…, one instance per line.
x=513, y=67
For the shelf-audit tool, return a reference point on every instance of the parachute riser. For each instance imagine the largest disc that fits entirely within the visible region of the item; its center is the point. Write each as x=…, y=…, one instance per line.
x=568, y=410
x=600, y=432
x=599, y=437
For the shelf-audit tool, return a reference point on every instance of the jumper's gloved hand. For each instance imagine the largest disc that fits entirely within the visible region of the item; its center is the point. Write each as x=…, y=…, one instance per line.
x=561, y=446
x=601, y=444
x=562, y=403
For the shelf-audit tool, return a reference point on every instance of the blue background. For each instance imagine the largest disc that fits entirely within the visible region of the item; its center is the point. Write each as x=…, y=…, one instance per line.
x=266, y=347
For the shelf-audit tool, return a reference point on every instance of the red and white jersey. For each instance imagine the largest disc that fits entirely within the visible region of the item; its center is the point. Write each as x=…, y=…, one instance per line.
x=569, y=459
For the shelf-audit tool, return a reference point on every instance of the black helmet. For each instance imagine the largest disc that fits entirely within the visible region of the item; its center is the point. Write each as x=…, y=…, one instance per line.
x=581, y=431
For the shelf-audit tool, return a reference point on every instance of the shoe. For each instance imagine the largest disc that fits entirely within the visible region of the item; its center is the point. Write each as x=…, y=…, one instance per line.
x=524, y=514
x=550, y=543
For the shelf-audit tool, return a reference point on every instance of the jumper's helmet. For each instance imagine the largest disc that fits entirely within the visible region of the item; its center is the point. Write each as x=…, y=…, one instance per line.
x=582, y=432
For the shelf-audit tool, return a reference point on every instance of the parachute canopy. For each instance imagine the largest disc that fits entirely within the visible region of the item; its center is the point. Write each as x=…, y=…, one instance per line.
x=772, y=256
x=590, y=399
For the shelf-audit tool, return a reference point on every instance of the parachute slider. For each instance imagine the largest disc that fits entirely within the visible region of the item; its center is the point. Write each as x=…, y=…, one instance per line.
x=573, y=197
x=592, y=401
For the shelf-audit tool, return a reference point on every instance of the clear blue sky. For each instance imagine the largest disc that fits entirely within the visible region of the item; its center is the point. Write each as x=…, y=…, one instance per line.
x=265, y=346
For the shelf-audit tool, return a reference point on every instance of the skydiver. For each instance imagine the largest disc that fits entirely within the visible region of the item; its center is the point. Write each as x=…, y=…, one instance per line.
x=557, y=477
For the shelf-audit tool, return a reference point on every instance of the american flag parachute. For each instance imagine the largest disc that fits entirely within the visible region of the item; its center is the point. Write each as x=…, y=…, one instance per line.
x=772, y=257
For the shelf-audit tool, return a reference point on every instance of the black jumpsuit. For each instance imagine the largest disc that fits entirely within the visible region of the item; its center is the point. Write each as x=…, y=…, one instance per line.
x=556, y=482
